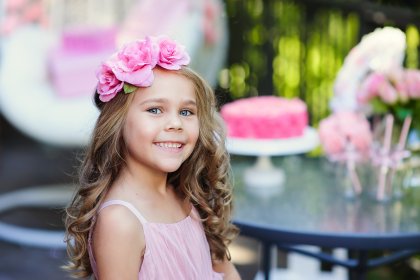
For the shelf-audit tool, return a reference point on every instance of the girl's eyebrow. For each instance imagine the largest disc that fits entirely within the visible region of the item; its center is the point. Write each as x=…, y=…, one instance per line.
x=164, y=100
x=154, y=100
x=190, y=102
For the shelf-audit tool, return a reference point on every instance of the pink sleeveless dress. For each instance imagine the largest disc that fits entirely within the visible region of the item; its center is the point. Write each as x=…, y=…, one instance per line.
x=177, y=251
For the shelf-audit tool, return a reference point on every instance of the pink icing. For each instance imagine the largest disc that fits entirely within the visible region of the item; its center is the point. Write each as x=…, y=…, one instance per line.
x=73, y=62
x=265, y=117
x=88, y=40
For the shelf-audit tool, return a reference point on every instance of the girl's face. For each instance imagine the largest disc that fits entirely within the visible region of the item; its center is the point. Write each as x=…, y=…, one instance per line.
x=162, y=126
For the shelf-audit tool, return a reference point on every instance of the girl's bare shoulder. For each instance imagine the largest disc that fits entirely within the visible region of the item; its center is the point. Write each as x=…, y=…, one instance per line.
x=119, y=217
x=115, y=226
x=118, y=243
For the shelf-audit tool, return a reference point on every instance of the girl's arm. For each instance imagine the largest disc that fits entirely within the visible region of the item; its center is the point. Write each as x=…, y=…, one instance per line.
x=227, y=268
x=118, y=244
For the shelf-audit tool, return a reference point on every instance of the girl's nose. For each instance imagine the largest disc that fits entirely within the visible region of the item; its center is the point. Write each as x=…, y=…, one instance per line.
x=174, y=122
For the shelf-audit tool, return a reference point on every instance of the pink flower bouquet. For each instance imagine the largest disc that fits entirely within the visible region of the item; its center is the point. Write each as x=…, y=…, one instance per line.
x=373, y=82
x=397, y=93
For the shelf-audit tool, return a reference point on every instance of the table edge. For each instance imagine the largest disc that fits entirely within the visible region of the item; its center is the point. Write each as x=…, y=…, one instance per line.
x=330, y=240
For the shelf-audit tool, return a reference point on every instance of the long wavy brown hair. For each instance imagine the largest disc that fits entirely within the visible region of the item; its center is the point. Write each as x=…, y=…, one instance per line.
x=204, y=178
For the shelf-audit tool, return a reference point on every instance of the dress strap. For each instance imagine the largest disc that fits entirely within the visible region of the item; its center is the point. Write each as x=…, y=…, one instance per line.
x=126, y=204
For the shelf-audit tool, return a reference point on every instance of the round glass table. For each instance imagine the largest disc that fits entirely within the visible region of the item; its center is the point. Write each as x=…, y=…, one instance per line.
x=311, y=209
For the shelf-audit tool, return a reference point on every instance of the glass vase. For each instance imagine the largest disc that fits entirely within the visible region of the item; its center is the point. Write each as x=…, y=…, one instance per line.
x=348, y=180
x=393, y=160
x=384, y=183
x=412, y=178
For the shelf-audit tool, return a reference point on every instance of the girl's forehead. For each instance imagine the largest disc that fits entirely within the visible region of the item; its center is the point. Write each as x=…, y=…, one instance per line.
x=163, y=77
x=168, y=84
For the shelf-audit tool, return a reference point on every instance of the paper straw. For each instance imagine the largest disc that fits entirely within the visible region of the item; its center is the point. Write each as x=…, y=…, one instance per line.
x=351, y=158
x=355, y=179
x=389, y=122
x=398, y=154
x=404, y=133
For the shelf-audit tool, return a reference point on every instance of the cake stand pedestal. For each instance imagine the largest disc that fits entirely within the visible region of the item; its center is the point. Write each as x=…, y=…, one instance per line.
x=264, y=177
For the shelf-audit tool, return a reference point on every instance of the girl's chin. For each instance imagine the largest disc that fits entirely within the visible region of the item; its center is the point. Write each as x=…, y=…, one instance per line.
x=170, y=168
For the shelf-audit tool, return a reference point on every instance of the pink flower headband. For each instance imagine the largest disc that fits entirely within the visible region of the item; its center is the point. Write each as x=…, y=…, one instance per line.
x=132, y=66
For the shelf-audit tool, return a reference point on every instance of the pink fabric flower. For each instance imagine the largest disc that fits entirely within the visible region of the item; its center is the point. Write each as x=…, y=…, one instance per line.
x=135, y=62
x=108, y=84
x=172, y=55
x=345, y=127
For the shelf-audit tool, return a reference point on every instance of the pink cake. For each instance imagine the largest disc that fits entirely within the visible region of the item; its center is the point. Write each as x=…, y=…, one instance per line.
x=265, y=117
x=73, y=63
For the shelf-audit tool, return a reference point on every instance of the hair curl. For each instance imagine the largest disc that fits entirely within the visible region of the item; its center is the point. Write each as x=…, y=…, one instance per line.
x=204, y=178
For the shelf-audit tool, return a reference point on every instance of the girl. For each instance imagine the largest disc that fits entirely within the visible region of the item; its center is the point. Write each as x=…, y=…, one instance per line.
x=155, y=197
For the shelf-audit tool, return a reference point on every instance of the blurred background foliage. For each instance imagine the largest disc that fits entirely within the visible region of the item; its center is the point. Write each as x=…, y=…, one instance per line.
x=295, y=48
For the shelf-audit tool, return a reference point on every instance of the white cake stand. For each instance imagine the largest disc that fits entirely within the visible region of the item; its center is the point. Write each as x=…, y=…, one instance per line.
x=264, y=177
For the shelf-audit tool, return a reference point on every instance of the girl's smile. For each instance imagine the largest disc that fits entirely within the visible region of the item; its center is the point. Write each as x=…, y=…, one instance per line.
x=170, y=146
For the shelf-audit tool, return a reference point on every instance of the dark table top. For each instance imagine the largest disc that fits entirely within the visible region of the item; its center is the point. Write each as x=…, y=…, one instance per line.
x=310, y=208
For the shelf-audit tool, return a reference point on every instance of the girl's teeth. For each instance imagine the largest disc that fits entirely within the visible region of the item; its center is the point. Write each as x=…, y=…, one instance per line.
x=169, y=145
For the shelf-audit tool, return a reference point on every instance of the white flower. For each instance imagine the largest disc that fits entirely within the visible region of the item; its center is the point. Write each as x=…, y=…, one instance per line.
x=381, y=50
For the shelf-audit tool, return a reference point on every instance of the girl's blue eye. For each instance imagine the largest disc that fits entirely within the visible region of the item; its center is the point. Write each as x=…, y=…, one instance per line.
x=185, y=113
x=154, y=110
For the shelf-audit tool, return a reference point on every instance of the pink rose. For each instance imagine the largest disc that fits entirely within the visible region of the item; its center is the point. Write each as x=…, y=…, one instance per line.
x=108, y=85
x=412, y=79
x=387, y=93
x=135, y=62
x=398, y=78
x=377, y=85
x=331, y=141
x=132, y=67
x=172, y=55
x=344, y=127
x=369, y=89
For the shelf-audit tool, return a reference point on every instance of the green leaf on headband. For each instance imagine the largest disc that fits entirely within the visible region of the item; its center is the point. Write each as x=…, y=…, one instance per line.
x=128, y=88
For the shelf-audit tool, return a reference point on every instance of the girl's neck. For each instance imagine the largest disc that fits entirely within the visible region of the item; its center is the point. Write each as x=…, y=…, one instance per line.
x=156, y=199
x=144, y=180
